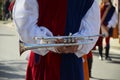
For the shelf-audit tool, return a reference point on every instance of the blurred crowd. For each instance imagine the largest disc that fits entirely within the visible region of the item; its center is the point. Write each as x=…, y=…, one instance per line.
x=6, y=7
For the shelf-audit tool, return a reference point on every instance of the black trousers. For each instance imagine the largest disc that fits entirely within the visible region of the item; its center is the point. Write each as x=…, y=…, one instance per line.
x=90, y=61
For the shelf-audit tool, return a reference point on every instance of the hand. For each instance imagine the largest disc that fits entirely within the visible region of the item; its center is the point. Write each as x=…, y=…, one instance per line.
x=104, y=30
x=105, y=27
x=65, y=49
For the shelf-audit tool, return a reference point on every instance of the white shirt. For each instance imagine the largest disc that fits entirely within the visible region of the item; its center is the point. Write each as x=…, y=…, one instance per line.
x=114, y=19
x=25, y=15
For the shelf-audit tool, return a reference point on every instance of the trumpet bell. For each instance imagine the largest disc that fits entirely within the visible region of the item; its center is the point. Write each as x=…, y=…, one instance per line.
x=21, y=47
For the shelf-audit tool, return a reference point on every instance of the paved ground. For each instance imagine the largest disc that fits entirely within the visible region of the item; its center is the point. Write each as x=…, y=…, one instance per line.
x=13, y=66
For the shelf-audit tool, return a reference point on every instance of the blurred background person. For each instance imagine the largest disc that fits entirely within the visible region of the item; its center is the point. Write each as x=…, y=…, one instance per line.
x=0, y=9
x=10, y=8
x=5, y=9
x=109, y=19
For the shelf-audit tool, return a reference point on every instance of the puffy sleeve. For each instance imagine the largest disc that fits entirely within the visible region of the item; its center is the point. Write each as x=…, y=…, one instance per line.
x=25, y=18
x=114, y=20
x=90, y=25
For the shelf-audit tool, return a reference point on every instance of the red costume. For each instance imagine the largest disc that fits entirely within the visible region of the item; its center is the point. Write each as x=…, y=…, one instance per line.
x=105, y=22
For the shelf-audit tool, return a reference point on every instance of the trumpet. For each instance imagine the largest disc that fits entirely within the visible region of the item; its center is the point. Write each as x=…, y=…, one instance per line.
x=68, y=41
